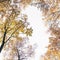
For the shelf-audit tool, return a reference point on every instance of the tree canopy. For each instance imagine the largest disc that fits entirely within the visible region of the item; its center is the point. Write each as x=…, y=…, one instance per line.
x=11, y=27
x=51, y=12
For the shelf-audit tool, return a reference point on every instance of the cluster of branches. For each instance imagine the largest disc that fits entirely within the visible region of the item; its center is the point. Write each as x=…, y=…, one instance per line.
x=21, y=51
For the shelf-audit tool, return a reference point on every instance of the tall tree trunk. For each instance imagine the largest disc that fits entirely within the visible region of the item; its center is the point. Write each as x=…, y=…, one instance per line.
x=1, y=47
x=18, y=55
x=3, y=41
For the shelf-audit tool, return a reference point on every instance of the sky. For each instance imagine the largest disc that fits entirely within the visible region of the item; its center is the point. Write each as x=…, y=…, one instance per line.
x=40, y=35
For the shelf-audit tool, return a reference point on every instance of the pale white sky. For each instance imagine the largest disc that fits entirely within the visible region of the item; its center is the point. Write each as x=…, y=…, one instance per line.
x=40, y=35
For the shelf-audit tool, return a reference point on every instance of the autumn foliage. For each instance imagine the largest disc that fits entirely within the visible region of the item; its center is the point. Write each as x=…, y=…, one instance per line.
x=11, y=28
x=51, y=12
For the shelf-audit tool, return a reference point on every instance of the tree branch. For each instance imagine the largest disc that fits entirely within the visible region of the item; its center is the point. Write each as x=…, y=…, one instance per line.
x=18, y=55
x=13, y=33
x=3, y=41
